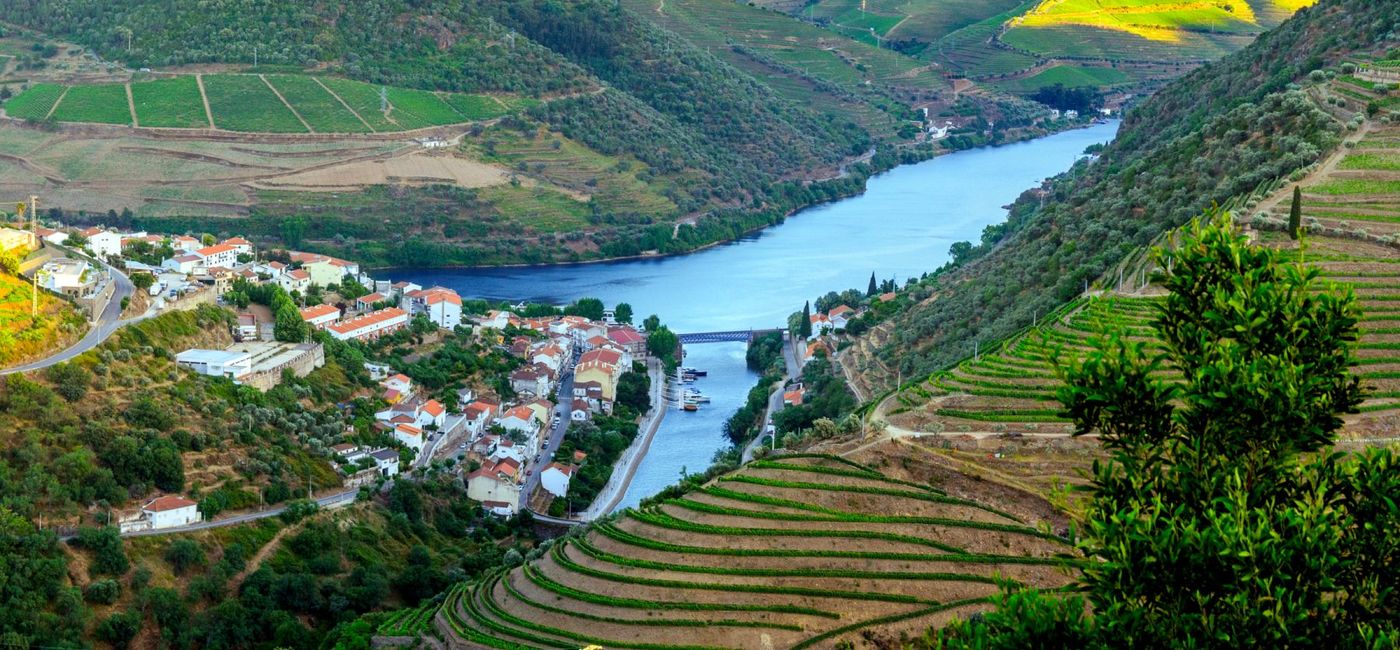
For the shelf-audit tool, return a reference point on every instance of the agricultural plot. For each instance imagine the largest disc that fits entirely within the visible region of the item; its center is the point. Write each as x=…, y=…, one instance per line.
x=243, y=102
x=100, y=104
x=416, y=109
x=169, y=103
x=34, y=103
x=971, y=50
x=322, y=110
x=787, y=553
x=362, y=98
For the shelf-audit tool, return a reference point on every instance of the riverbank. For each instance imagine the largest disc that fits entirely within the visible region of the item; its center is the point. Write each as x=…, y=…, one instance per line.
x=626, y=467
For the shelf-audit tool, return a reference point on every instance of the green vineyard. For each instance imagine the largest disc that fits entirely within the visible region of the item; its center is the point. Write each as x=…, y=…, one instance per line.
x=786, y=553
x=254, y=103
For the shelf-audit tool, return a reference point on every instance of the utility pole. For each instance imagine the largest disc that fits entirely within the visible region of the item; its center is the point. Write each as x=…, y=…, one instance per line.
x=255, y=56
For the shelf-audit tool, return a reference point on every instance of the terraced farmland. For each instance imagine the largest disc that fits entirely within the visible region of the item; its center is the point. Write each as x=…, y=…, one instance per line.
x=1010, y=387
x=804, y=551
x=246, y=103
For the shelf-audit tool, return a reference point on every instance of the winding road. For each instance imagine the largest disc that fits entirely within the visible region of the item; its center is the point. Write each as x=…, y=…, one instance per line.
x=102, y=327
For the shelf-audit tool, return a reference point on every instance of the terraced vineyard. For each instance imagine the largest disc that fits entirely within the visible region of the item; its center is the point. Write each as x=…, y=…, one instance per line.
x=248, y=103
x=803, y=551
x=1010, y=388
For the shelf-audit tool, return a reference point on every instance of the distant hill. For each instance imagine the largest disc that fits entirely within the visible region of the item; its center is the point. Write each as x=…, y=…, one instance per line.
x=1023, y=45
x=1222, y=131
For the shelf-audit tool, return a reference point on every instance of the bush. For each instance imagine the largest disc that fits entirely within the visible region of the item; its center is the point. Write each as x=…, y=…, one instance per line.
x=102, y=592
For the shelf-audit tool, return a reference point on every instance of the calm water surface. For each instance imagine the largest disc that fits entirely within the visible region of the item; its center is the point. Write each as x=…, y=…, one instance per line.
x=901, y=227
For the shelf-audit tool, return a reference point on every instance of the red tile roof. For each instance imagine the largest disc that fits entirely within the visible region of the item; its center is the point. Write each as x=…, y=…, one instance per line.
x=319, y=311
x=433, y=408
x=625, y=336
x=168, y=502
x=214, y=250
x=368, y=320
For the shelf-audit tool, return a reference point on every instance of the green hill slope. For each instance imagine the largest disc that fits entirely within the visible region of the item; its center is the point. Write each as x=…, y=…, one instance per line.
x=1220, y=132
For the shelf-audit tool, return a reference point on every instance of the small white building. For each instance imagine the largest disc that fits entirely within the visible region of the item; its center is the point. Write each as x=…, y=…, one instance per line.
x=68, y=276
x=296, y=280
x=170, y=511
x=103, y=243
x=442, y=306
x=555, y=478
x=386, y=461
x=185, y=264
x=216, y=363
x=411, y=436
x=218, y=255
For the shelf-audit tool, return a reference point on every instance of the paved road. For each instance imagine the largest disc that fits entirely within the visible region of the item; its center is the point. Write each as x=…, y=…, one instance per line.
x=565, y=394
x=626, y=467
x=106, y=323
x=333, y=500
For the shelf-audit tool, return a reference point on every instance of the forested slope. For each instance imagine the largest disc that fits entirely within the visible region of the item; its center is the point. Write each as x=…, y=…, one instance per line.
x=1219, y=132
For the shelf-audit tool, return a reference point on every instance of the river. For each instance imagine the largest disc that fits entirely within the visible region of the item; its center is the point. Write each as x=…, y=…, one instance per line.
x=901, y=227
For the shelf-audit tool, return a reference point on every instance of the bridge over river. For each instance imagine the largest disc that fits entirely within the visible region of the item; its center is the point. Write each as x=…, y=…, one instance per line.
x=723, y=337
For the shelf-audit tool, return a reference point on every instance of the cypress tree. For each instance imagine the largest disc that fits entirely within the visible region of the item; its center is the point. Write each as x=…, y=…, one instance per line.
x=807, y=319
x=1295, y=214
x=873, y=287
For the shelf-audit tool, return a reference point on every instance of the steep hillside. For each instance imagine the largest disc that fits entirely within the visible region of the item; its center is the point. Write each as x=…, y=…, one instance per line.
x=862, y=552
x=26, y=333
x=1220, y=132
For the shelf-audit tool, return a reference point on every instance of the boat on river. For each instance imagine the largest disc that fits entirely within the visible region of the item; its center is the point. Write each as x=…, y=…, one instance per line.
x=695, y=373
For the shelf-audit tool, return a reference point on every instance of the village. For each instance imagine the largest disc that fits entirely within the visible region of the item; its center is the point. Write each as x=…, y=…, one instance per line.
x=502, y=435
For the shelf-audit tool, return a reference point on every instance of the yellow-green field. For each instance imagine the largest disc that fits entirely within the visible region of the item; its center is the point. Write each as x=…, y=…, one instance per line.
x=24, y=336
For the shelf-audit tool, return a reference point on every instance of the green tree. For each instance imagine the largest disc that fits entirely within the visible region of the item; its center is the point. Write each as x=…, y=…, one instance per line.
x=69, y=380
x=662, y=343
x=650, y=323
x=1295, y=213
x=623, y=313
x=120, y=628
x=806, y=324
x=874, y=288
x=590, y=308
x=1221, y=520
x=183, y=555
x=106, y=546
x=288, y=325
x=143, y=281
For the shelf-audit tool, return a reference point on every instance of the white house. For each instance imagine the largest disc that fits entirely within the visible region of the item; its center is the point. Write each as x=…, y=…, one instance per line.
x=320, y=316
x=52, y=236
x=442, y=306
x=185, y=264
x=239, y=244
x=521, y=419
x=411, y=436
x=185, y=243
x=555, y=478
x=579, y=411
x=218, y=255
x=386, y=461
x=216, y=363
x=399, y=383
x=247, y=327
x=296, y=280
x=403, y=288
x=103, y=243
x=498, y=508
x=169, y=511
x=68, y=276
x=432, y=413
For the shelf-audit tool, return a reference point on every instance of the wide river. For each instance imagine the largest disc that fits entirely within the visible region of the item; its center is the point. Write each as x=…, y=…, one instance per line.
x=901, y=227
